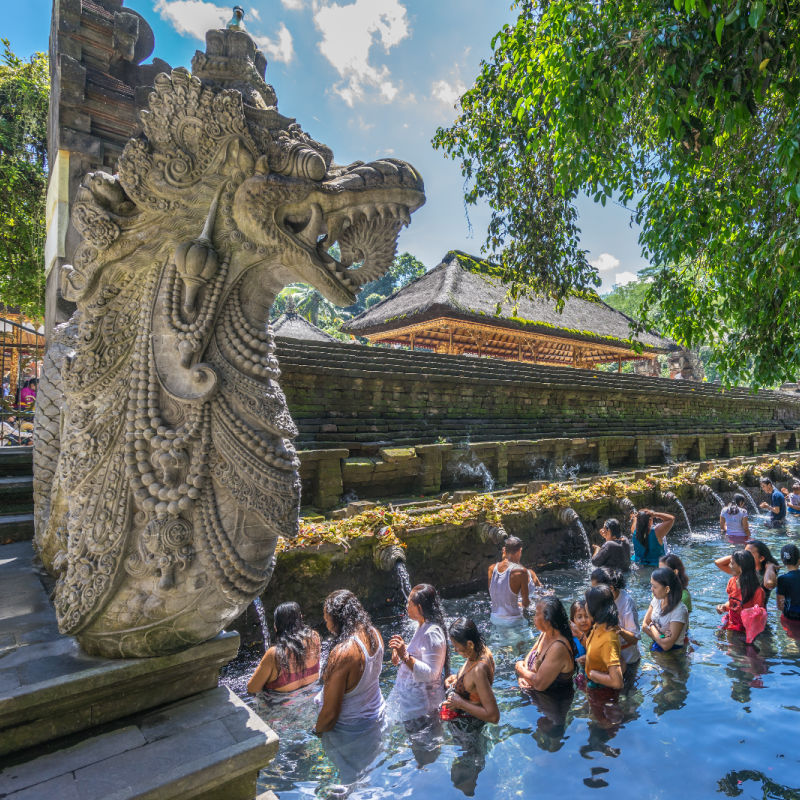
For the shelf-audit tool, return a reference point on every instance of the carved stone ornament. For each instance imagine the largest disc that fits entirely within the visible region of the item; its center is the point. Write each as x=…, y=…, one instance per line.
x=166, y=466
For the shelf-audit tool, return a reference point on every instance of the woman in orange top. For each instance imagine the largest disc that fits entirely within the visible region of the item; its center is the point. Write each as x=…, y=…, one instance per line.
x=603, y=660
x=293, y=661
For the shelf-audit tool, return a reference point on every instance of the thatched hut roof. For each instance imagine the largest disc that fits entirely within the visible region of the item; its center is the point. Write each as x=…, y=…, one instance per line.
x=291, y=325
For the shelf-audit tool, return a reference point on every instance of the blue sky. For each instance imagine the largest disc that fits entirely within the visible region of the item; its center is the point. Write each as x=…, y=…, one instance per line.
x=369, y=78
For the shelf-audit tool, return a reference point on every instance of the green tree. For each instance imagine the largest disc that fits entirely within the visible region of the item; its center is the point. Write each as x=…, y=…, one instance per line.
x=24, y=89
x=684, y=111
x=404, y=269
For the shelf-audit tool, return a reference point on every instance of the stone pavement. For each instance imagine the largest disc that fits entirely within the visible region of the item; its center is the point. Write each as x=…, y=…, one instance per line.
x=53, y=697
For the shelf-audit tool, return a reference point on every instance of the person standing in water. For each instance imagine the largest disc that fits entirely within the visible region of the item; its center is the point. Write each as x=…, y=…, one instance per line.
x=649, y=530
x=350, y=693
x=733, y=519
x=616, y=552
x=508, y=584
x=776, y=504
x=422, y=663
x=789, y=584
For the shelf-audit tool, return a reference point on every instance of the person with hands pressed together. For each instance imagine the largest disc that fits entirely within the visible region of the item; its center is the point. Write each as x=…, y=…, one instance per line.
x=419, y=688
x=550, y=664
x=472, y=688
x=603, y=660
x=667, y=617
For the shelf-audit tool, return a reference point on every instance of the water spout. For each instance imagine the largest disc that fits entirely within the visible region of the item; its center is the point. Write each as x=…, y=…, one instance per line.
x=496, y=534
x=568, y=516
x=262, y=621
x=402, y=577
x=391, y=558
x=709, y=492
x=672, y=497
x=748, y=496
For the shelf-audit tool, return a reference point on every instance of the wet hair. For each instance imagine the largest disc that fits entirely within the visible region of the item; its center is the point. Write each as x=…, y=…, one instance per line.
x=349, y=618
x=613, y=528
x=427, y=598
x=554, y=613
x=292, y=637
x=666, y=577
x=644, y=522
x=763, y=552
x=463, y=630
x=573, y=609
x=512, y=544
x=676, y=565
x=795, y=486
x=601, y=607
x=735, y=506
x=748, y=580
x=790, y=554
x=608, y=577
x=764, y=479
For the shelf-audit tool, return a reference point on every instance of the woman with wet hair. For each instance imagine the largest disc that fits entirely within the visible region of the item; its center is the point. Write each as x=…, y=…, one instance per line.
x=350, y=694
x=673, y=562
x=603, y=660
x=472, y=687
x=616, y=552
x=744, y=590
x=733, y=520
x=766, y=565
x=667, y=617
x=650, y=529
x=293, y=661
x=422, y=663
x=550, y=664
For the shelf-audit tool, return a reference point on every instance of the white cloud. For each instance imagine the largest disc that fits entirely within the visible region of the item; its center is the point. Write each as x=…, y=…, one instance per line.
x=446, y=92
x=293, y=5
x=348, y=34
x=193, y=17
x=605, y=262
x=621, y=278
x=279, y=48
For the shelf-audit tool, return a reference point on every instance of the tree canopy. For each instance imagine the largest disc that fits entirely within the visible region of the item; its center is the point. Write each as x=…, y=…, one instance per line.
x=685, y=112
x=24, y=90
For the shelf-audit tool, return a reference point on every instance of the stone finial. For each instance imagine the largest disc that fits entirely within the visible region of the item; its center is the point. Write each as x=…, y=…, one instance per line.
x=290, y=309
x=237, y=20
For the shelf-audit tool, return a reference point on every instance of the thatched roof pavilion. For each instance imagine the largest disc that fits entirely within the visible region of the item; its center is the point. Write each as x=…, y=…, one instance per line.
x=456, y=308
x=290, y=325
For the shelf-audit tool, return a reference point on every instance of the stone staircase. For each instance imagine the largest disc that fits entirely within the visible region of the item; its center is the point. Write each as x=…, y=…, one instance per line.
x=16, y=494
x=357, y=422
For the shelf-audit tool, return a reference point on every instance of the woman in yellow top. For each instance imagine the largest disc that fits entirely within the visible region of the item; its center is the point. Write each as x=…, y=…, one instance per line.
x=603, y=660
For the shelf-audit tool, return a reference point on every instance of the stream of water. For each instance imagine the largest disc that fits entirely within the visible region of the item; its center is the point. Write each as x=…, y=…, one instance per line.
x=749, y=498
x=718, y=720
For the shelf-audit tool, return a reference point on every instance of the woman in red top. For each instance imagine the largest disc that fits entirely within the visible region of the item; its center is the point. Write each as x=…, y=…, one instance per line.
x=744, y=590
x=293, y=661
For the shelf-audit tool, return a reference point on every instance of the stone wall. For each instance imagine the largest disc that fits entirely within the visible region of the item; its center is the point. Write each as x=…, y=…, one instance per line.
x=379, y=422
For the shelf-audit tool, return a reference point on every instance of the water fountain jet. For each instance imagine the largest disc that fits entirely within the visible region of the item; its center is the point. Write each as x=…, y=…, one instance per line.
x=568, y=516
x=673, y=498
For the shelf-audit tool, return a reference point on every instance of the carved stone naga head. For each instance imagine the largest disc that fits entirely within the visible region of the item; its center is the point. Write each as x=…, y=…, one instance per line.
x=176, y=471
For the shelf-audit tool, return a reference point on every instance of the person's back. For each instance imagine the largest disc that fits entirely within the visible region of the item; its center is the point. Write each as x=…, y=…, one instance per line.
x=508, y=582
x=734, y=517
x=364, y=701
x=614, y=554
x=648, y=554
x=788, y=587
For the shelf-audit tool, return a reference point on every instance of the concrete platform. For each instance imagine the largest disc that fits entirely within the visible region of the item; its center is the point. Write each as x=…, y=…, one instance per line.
x=49, y=688
x=207, y=747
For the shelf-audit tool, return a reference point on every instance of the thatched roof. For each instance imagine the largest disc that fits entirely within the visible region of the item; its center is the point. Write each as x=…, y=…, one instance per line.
x=292, y=326
x=456, y=289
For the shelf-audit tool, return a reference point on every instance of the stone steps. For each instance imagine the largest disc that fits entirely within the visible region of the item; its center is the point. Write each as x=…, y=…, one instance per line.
x=16, y=494
x=209, y=746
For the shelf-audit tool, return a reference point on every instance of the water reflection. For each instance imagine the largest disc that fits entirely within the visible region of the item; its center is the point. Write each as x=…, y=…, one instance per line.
x=551, y=724
x=469, y=735
x=733, y=785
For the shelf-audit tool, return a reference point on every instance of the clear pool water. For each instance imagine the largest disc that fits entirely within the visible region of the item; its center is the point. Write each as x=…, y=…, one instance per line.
x=722, y=719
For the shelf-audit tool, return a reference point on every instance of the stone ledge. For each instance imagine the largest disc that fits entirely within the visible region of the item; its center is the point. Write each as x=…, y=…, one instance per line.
x=210, y=746
x=50, y=688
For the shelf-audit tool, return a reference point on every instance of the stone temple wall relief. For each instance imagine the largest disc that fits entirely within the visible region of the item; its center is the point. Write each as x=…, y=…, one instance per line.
x=165, y=430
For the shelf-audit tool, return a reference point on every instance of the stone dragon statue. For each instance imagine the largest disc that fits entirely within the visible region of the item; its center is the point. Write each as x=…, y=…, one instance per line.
x=165, y=470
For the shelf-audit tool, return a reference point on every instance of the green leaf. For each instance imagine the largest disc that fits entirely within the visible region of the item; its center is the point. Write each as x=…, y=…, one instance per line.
x=718, y=30
x=757, y=11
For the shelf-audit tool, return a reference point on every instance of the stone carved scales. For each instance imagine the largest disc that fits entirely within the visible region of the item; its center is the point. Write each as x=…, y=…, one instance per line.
x=173, y=470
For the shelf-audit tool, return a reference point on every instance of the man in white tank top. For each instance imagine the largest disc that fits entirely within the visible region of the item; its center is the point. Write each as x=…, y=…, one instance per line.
x=508, y=584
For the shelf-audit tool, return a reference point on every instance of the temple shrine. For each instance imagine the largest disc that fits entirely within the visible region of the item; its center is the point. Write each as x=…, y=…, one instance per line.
x=458, y=309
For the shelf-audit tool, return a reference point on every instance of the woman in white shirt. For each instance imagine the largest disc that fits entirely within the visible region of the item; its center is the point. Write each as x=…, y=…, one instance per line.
x=419, y=687
x=733, y=519
x=666, y=620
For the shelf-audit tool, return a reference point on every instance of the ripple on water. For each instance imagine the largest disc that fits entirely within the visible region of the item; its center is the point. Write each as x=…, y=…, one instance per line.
x=720, y=719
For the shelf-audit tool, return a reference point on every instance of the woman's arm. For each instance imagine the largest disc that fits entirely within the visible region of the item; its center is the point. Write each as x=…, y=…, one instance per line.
x=647, y=617
x=487, y=709
x=266, y=671
x=612, y=678
x=552, y=666
x=781, y=600
x=534, y=578
x=525, y=676
x=629, y=637
x=746, y=527
x=724, y=564
x=722, y=524
x=668, y=638
x=770, y=576
x=664, y=527
x=428, y=662
x=335, y=687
